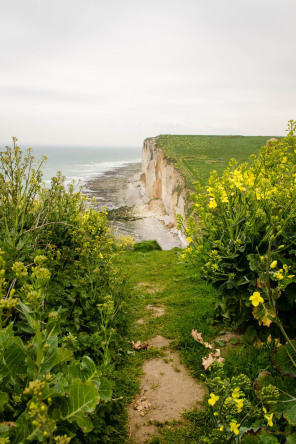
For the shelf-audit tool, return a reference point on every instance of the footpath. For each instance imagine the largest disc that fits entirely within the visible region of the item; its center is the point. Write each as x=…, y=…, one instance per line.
x=167, y=303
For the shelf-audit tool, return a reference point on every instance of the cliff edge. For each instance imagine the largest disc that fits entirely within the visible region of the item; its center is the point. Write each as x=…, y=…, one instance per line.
x=165, y=186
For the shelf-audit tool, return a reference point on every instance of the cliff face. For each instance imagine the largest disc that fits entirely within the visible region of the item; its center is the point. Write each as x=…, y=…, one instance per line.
x=165, y=186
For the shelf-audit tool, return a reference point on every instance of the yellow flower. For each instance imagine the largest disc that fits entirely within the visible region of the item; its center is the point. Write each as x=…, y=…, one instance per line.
x=213, y=203
x=240, y=404
x=213, y=399
x=269, y=419
x=279, y=274
x=221, y=428
x=189, y=240
x=291, y=276
x=234, y=427
x=256, y=298
x=235, y=393
x=273, y=264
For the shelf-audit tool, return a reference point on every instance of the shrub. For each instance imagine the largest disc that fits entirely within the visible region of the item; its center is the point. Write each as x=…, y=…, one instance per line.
x=61, y=306
x=237, y=216
x=145, y=246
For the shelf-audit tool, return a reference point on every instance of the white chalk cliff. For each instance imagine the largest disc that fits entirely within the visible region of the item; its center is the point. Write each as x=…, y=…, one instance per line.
x=164, y=184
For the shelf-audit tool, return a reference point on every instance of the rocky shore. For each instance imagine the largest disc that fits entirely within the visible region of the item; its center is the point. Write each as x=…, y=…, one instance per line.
x=123, y=194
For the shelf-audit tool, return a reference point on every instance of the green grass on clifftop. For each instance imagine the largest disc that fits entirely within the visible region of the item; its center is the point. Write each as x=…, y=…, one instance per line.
x=197, y=156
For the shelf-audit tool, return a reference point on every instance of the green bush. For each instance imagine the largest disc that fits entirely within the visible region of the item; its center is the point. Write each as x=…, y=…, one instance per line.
x=61, y=307
x=146, y=246
x=237, y=215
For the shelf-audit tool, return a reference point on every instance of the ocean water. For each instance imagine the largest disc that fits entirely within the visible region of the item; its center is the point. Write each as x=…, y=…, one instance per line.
x=83, y=163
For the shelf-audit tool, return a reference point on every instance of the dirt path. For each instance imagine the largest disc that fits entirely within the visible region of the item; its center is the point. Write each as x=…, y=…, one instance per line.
x=167, y=389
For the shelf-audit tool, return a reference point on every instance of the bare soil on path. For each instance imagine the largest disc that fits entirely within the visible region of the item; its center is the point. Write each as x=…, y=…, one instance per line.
x=167, y=389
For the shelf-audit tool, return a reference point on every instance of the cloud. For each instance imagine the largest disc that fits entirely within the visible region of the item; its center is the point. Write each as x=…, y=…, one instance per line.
x=116, y=72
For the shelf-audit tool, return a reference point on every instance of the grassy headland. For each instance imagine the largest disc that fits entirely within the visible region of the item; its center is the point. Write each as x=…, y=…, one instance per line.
x=197, y=156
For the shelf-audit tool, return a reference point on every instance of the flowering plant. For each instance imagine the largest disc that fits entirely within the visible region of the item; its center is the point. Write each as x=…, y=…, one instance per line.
x=235, y=217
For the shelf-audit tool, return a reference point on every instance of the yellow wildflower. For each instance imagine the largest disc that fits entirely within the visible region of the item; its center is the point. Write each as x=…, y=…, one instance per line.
x=269, y=419
x=189, y=240
x=279, y=274
x=235, y=393
x=256, y=298
x=212, y=203
x=221, y=428
x=213, y=399
x=240, y=404
x=234, y=427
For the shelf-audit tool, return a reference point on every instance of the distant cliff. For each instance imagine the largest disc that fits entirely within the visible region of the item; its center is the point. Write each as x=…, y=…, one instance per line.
x=165, y=186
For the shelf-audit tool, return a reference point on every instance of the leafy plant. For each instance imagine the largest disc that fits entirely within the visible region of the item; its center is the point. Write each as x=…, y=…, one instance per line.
x=237, y=215
x=61, y=303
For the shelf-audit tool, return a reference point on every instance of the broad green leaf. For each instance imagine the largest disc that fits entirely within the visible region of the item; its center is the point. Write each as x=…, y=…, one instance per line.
x=55, y=356
x=14, y=359
x=83, y=398
x=6, y=337
x=86, y=370
x=284, y=359
x=264, y=314
x=259, y=439
x=30, y=319
x=105, y=390
x=60, y=385
x=4, y=398
x=24, y=432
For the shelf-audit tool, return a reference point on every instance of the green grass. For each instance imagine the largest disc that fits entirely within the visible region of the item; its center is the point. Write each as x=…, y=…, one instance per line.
x=197, y=156
x=158, y=278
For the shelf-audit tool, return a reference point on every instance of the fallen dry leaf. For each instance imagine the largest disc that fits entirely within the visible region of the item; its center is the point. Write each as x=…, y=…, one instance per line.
x=213, y=356
x=142, y=405
x=260, y=284
x=139, y=346
x=198, y=337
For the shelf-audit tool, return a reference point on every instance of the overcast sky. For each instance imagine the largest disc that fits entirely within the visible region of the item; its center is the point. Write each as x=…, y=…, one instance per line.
x=113, y=72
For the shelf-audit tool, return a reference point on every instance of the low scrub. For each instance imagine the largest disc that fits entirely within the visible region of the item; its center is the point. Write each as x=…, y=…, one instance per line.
x=244, y=243
x=61, y=307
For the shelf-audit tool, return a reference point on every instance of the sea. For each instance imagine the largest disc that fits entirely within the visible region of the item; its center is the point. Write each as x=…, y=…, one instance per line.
x=83, y=163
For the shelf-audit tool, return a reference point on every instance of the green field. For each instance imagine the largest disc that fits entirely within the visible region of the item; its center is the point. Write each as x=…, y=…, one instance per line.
x=197, y=156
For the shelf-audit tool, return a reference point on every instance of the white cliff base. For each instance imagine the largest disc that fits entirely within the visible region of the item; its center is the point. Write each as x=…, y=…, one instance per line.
x=165, y=189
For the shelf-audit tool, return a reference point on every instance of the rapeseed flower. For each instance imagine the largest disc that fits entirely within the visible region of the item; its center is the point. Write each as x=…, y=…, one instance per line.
x=213, y=399
x=212, y=203
x=279, y=275
x=234, y=427
x=269, y=419
x=239, y=404
x=273, y=264
x=235, y=393
x=256, y=298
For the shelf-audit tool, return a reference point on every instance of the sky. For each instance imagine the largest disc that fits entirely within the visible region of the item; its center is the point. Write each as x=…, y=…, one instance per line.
x=112, y=73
